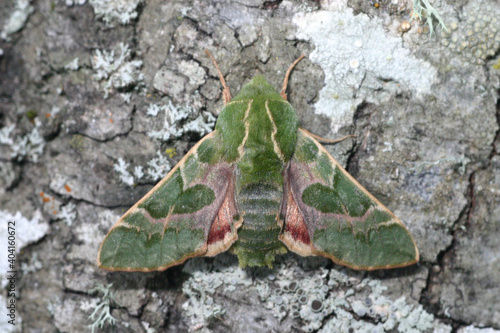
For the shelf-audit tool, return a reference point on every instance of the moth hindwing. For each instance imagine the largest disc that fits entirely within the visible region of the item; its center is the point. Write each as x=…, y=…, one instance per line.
x=257, y=185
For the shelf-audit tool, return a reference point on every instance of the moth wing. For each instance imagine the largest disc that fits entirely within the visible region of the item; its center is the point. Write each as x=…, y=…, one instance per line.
x=327, y=212
x=188, y=213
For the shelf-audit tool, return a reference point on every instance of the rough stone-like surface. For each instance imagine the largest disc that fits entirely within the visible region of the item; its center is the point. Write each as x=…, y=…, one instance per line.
x=99, y=99
x=470, y=277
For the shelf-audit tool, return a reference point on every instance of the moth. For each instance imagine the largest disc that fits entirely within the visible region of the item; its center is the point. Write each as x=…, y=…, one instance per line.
x=258, y=185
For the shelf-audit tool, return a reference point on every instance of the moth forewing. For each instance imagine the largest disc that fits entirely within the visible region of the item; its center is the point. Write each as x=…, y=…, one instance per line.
x=173, y=221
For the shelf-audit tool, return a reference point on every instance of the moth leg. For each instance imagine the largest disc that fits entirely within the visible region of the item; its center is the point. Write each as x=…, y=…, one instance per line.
x=287, y=75
x=330, y=141
x=226, y=94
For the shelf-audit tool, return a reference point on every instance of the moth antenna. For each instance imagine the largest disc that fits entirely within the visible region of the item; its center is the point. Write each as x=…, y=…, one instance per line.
x=331, y=141
x=226, y=94
x=287, y=75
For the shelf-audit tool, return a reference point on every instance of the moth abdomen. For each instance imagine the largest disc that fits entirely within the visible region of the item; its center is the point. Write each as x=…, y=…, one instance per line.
x=258, y=241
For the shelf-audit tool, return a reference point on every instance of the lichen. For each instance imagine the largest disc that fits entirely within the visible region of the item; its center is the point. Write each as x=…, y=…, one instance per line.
x=121, y=168
x=497, y=64
x=472, y=329
x=117, y=71
x=17, y=18
x=72, y=65
x=127, y=97
x=330, y=300
x=70, y=3
x=111, y=11
x=102, y=309
x=148, y=327
x=355, y=52
x=156, y=169
x=171, y=152
x=178, y=120
x=427, y=11
x=28, y=146
x=200, y=307
x=67, y=213
x=477, y=37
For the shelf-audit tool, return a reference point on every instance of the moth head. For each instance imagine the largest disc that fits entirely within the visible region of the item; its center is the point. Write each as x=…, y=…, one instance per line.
x=258, y=88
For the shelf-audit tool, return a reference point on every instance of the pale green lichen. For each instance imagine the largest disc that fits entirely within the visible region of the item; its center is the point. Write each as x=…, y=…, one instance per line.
x=102, y=310
x=472, y=329
x=111, y=11
x=477, y=37
x=67, y=213
x=148, y=327
x=364, y=53
x=17, y=18
x=423, y=9
x=72, y=65
x=70, y=3
x=28, y=146
x=117, y=71
x=334, y=300
x=121, y=168
x=127, y=97
x=178, y=120
x=156, y=169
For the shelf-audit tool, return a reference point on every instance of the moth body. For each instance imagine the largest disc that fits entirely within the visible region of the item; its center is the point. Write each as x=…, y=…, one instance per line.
x=262, y=149
x=258, y=185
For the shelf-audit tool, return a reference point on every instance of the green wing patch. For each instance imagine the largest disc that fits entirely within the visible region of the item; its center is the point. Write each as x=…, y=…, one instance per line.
x=328, y=213
x=188, y=213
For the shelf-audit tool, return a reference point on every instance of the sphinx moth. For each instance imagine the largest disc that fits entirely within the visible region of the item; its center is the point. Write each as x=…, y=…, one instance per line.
x=257, y=186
